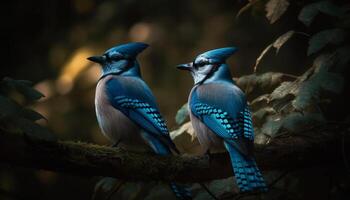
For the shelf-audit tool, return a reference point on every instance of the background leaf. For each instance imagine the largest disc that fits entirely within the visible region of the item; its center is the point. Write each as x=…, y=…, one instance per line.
x=104, y=185
x=322, y=38
x=342, y=58
x=275, y=9
x=10, y=108
x=278, y=43
x=261, y=56
x=282, y=39
x=15, y=117
x=24, y=87
x=182, y=114
x=246, y=7
x=321, y=80
x=272, y=125
x=185, y=139
x=309, y=12
x=257, y=84
x=281, y=91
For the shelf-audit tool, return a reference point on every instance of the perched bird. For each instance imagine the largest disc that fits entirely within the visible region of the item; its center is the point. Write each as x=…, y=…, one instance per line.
x=220, y=115
x=126, y=109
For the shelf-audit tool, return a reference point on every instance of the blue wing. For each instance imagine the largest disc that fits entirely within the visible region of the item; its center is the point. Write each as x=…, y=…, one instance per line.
x=223, y=109
x=133, y=98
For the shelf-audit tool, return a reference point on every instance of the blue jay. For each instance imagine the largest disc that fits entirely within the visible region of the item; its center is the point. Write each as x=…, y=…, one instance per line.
x=126, y=109
x=220, y=115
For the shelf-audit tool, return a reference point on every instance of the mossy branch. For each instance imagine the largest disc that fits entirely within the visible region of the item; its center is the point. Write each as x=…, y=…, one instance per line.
x=318, y=145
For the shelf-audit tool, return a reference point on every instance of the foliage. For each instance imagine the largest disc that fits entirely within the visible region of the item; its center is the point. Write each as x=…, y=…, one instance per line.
x=275, y=9
x=16, y=118
x=309, y=12
x=322, y=38
x=181, y=114
x=277, y=44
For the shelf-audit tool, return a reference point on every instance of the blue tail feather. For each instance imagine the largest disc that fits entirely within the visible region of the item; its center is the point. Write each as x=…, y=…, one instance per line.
x=180, y=191
x=248, y=176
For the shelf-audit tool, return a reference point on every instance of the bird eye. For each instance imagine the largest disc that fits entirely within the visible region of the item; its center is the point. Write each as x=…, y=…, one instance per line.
x=201, y=62
x=116, y=57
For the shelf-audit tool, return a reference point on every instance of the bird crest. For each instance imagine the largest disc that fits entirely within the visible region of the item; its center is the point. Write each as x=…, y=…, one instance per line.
x=219, y=55
x=130, y=49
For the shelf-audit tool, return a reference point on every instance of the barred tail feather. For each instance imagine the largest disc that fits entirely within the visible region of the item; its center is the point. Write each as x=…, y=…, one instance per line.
x=181, y=192
x=248, y=176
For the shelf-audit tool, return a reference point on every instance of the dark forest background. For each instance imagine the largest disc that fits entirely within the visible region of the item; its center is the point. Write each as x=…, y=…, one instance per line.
x=47, y=42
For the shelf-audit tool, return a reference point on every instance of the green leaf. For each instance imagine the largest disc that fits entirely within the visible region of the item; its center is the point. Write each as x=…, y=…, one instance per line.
x=308, y=93
x=34, y=131
x=275, y=9
x=32, y=115
x=321, y=80
x=309, y=12
x=182, y=114
x=332, y=82
x=24, y=87
x=15, y=117
x=322, y=38
x=293, y=122
x=272, y=125
x=296, y=122
x=342, y=58
x=10, y=108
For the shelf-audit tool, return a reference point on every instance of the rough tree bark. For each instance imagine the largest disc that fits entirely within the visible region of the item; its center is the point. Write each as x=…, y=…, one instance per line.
x=318, y=145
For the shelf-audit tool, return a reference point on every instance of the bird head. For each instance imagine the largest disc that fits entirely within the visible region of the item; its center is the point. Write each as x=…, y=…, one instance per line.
x=120, y=59
x=209, y=64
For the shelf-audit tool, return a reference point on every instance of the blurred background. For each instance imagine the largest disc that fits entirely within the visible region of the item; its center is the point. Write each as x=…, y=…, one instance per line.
x=48, y=42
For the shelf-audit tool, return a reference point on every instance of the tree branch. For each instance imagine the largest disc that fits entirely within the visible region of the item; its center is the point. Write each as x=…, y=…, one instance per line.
x=319, y=145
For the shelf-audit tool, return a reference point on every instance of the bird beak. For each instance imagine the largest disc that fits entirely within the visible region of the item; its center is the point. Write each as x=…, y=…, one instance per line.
x=187, y=66
x=97, y=59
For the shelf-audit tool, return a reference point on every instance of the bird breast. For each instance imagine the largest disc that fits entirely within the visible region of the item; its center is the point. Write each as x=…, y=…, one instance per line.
x=206, y=137
x=114, y=124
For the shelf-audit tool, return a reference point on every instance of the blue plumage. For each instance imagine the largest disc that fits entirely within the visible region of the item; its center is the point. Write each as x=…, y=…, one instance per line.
x=247, y=174
x=219, y=55
x=220, y=115
x=130, y=50
x=135, y=100
x=126, y=108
